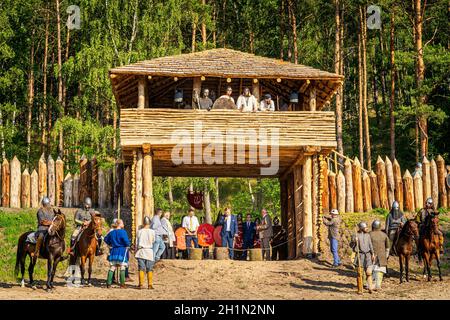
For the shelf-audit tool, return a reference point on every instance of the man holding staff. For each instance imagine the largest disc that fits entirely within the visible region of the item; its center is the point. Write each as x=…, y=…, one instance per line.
x=362, y=245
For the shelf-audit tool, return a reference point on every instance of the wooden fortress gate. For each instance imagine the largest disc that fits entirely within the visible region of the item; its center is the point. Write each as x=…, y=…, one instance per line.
x=161, y=139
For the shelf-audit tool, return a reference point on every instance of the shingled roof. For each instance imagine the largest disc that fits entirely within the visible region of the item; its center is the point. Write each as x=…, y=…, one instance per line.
x=225, y=63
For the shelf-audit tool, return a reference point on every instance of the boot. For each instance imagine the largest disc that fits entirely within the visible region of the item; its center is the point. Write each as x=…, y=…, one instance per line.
x=150, y=279
x=109, y=278
x=379, y=280
x=72, y=247
x=141, y=279
x=99, y=250
x=37, y=249
x=369, y=283
x=122, y=279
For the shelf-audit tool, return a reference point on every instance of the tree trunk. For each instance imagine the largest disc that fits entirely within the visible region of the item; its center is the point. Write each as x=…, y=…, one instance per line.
x=360, y=92
x=16, y=179
x=408, y=192
x=337, y=69
x=281, y=13
x=392, y=96
x=208, y=218
x=293, y=18
x=365, y=110
x=30, y=97
x=44, y=133
x=194, y=31
x=204, y=27
x=60, y=85
x=34, y=193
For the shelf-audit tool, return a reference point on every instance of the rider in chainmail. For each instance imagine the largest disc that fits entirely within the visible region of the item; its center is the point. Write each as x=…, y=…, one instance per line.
x=394, y=220
x=45, y=217
x=421, y=218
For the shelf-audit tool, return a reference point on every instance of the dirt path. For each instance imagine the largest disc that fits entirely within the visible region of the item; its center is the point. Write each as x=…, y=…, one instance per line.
x=211, y=279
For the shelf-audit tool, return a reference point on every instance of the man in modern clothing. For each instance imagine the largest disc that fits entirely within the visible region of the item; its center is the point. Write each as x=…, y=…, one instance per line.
x=229, y=231
x=161, y=234
x=265, y=234
x=190, y=223
x=333, y=223
x=248, y=234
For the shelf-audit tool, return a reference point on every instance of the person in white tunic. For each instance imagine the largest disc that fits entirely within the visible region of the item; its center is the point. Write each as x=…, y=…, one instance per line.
x=144, y=254
x=247, y=102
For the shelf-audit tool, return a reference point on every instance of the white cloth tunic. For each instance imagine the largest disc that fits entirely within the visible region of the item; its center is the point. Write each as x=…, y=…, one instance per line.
x=144, y=244
x=247, y=104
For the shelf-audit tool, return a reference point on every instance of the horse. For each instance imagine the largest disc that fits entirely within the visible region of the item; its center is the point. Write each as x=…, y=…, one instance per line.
x=52, y=250
x=86, y=246
x=403, y=247
x=429, y=245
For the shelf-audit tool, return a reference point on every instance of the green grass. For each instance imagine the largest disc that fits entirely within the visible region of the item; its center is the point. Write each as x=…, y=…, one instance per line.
x=12, y=225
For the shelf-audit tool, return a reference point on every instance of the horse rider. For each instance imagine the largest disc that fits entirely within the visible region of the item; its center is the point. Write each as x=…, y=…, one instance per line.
x=83, y=218
x=45, y=217
x=394, y=221
x=421, y=218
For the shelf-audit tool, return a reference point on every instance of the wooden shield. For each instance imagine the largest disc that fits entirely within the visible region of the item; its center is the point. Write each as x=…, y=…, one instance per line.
x=205, y=235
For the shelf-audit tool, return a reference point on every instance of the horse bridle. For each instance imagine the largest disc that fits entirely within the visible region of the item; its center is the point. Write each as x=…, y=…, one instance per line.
x=56, y=231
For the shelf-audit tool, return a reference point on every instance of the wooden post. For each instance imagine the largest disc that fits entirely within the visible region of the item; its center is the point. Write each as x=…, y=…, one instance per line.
x=382, y=183
x=42, y=171
x=367, y=195
x=127, y=187
x=374, y=190
x=341, y=191
x=349, y=200
x=16, y=177
x=255, y=91
x=442, y=173
x=390, y=182
x=26, y=189
x=51, y=179
x=94, y=181
x=398, y=183
x=196, y=91
x=5, y=183
x=297, y=193
x=426, y=178
x=141, y=92
x=139, y=203
x=76, y=190
x=434, y=181
x=59, y=168
x=34, y=183
x=307, y=207
x=326, y=190
x=408, y=192
x=315, y=202
x=68, y=190
x=418, y=191
x=101, y=188
x=357, y=187
x=147, y=176
x=333, y=191
x=108, y=187
x=118, y=184
x=312, y=98
x=291, y=218
x=84, y=184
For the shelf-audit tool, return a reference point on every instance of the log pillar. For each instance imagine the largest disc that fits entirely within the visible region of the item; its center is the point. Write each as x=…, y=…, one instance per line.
x=408, y=191
x=367, y=194
x=51, y=179
x=76, y=190
x=127, y=187
x=442, y=173
x=349, y=201
x=332, y=190
x=382, y=183
x=426, y=178
x=312, y=98
x=434, y=181
x=290, y=206
x=307, y=207
x=5, y=183
x=298, y=209
x=142, y=84
x=256, y=91
x=59, y=176
x=398, y=183
x=357, y=185
x=26, y=189
x=340, y=183
x=418, y=191
x=374, y=190
x=34, y=183
x=94, y=181
x=42, y=172
x=196, y=91
x=325, y=188
x=16, y=179
x=68, y=191
x=390, y=182
x=139, y=216
x=147, y=176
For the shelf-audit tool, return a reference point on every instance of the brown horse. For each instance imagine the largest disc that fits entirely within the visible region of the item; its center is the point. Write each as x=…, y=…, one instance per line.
x=429, y=245
x=86, y=246
x=52, y=250
x=404, y=246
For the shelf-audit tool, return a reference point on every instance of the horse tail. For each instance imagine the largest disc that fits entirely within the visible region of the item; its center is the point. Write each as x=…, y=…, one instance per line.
x=20, y=253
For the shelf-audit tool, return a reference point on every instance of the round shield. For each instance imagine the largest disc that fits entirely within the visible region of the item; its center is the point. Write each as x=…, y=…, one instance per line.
x=223, y=103
x=217, y=236
x=180, y=234
x=205, y=235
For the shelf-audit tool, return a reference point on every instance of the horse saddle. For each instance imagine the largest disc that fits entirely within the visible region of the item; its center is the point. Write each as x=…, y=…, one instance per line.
x=31, y=238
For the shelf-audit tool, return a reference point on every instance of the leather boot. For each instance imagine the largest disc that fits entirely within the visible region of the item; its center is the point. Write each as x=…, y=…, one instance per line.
x=109, y=278
x=141, y=279
x=72, y=247
x=122, y=279
x=369, y=283
x=99, y=250
x=150, y=279
x=37, y=249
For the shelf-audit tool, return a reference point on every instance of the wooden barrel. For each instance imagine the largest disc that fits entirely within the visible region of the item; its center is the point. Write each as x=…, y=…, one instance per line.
x=255, y=254
x=195, y=253
x=221, y=253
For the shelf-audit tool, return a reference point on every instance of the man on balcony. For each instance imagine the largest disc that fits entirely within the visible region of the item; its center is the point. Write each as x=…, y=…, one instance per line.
x=247, y=102
x=267, y=103
x=205, y=102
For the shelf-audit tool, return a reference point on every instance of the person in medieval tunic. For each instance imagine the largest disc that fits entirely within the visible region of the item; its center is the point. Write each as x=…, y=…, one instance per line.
x=381, y=246
x=144, y=253
x=362, y=243
x=247, y=102
x=394, y=221
x=421, y=218
x=161, y=235
x=45, y=217
x=83, y=217
x=333, y=222
x=265, y=230
x=118, y=240
x=204, y=102
x=227, y=95
x=278, y=241
x=267, y=103
x=169, y=253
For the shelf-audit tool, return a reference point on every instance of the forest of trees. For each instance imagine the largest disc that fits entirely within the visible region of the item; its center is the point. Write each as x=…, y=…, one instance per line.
x=55, y=94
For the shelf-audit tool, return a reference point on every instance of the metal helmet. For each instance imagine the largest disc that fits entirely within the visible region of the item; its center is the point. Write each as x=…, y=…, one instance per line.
x=419, y=165
x=147, y=221
x=334, y=212
x=376, y=225
x=45, y=201
x=429, y=202
x=362, y=225
x=87, y=203
x=395, y=205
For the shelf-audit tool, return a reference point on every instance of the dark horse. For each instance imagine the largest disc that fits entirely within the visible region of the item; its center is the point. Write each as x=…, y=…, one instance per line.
x=86, y=246
x=404, y=245
x=429, y=245
x=52, y=250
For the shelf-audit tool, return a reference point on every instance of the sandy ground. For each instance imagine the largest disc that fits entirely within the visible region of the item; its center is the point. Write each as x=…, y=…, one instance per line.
x=212, y=279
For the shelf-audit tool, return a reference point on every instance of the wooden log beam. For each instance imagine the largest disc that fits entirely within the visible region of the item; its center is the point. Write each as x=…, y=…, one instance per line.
x=59, y=182
x=34, y=182
x=127, y=187
x=408, y=192
x=307, y=207
x=426, y=178
x=141, y=92
x=390, y=182
x=101, y=188
x=16, y=179
x=332, y=190
x=6, y=182
x=418, y=191
x=76, y=190
x=138, y=191
x=312, y=98
x=349, y=200
x=442, y=173
x=85, y=178
x=147, y=176
x=326, y=189
x=341, y=198
x=315, y=203
x=51, y=179
x=382, y=183
x=298, y=208
x=357, y=185
x=94, y=181
x=367, y=194
x=434, y=181
x=26, y=189
x=374, y=190
x=398, y=183
x=68, y=191
x=42, y=171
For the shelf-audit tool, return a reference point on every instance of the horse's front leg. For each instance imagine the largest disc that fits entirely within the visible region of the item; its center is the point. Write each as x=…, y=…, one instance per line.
x=82, y=268
x=49, y=272
x=407, y=267
x=400, y=259
x=55, y=265
x=438, y=261
x=31, y=271
x=91, y=262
